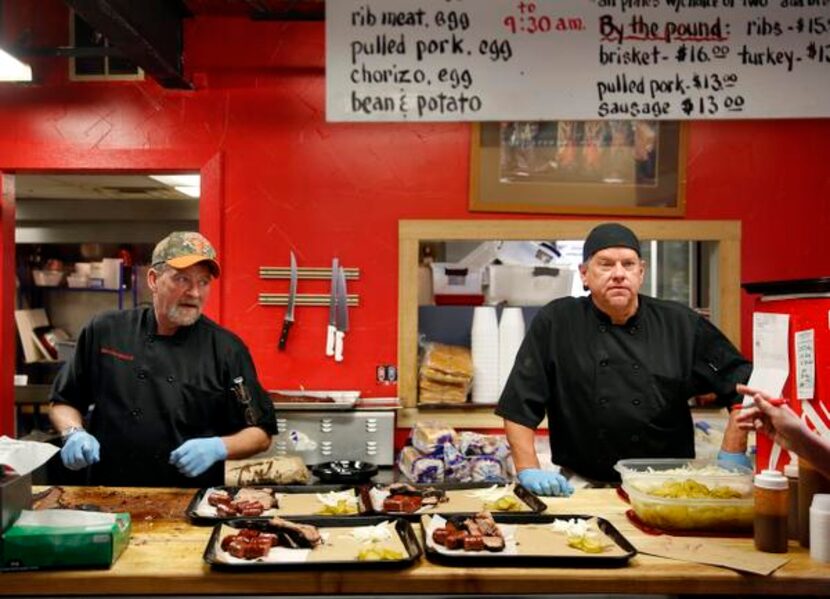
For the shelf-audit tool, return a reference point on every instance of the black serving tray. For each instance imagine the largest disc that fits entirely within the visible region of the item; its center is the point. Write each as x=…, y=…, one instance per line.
x=535, y=504
x=195, y=518
x=402, y=526
x=489, y=560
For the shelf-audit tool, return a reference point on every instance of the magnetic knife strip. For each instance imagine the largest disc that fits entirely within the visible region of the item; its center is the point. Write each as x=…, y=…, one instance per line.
x=304, y=299
x=304, y=272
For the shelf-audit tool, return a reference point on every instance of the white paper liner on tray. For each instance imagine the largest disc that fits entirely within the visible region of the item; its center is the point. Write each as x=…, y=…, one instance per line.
x=508, y=531
x=485, y=494
x=316, y=502
x=277, y=555
x=547, y=537
x=205, y=510
x=351, y=538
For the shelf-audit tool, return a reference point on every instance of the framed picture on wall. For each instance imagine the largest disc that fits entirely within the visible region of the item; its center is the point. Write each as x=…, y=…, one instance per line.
x=579, y=167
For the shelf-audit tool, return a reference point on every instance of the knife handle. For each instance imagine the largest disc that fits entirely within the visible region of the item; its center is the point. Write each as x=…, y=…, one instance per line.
x=286, y=326
x=330, y=331
x=338, y=345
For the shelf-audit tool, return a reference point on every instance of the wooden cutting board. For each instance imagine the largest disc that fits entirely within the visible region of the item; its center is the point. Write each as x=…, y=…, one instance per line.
x=144, y=505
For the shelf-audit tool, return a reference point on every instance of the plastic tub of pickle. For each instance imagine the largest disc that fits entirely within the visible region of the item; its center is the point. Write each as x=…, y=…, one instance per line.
x=684, y=494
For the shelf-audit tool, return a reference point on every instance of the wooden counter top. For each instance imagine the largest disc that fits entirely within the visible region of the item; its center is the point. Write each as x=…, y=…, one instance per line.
x=165, y=558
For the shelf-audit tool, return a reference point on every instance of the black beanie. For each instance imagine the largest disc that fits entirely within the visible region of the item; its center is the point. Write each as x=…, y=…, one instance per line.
x=609, y=235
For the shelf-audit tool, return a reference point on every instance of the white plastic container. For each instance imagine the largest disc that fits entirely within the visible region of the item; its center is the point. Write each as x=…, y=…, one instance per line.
x=47, y=278
x=820, y=528
x=646, y=482
x=111, y=271
x=526, y=253
x=527, y=285
x=455, y=279
x=77, y=281
x=83, y=269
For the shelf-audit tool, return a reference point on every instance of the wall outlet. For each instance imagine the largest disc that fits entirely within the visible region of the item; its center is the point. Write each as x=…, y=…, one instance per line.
x=386, y=373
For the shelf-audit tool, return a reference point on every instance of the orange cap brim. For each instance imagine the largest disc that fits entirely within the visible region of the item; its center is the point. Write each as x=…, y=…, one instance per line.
x=187, y=261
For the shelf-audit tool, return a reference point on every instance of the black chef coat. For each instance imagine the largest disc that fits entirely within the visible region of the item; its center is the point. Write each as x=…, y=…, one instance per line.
x=150, y=393
x=618, y=391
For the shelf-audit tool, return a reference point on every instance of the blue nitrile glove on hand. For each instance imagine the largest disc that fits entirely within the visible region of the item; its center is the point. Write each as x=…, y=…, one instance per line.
x=80, y=449
x=545, y=482
x=197, y=455
x=733, y=457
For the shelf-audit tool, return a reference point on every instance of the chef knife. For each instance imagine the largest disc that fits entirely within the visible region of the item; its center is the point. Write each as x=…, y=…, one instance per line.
x=342, y=314
x=332, y=327
x=292, y=298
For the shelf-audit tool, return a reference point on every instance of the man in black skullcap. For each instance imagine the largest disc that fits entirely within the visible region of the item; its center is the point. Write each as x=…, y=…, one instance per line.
x=613, y=373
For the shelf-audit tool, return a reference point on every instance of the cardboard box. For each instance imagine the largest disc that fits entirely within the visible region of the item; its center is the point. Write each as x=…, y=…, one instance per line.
x=64, y=539
x=15, y=496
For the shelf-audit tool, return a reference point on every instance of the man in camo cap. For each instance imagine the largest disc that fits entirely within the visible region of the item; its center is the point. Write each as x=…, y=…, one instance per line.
x=174, y=394
x=181, y=249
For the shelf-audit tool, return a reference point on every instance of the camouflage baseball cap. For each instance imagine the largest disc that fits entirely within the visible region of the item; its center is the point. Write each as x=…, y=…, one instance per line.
x=181, y=249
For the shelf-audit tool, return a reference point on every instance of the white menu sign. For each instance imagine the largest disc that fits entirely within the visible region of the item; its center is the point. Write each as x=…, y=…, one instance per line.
x=805, y=364
x=480, y=60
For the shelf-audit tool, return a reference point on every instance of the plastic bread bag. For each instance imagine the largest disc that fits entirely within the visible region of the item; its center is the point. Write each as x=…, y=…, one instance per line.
x=446, y=369
x=477, y=444
x=447, y=363
x=456, y=466
x=420, y=468
x=486, y=468
x=429, y=437
x=431, y=391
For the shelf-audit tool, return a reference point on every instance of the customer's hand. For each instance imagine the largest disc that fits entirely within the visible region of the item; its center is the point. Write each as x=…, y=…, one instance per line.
x=735, y=457
x=193, y=457
x=545, y=482
x=80, y=449
x=778, y=422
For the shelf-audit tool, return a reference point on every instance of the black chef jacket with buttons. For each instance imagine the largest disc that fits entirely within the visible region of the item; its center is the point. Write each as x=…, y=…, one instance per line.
x=150, y=393
x=618, y=391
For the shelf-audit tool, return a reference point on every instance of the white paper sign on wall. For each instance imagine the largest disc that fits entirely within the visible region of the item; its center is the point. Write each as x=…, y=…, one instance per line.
x=480, y=60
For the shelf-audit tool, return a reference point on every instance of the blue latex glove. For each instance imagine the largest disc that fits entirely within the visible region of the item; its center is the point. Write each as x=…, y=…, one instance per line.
x=197, y=455
x=80, y=449
x=544, y=482
x=732, y=457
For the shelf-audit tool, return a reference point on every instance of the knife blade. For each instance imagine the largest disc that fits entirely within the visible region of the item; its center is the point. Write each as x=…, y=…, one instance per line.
x=292, y=299
x=332, y=326
x=342, y=314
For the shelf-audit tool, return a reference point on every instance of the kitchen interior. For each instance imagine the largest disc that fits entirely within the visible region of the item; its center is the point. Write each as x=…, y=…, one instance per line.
x=277, y=179
x=67, y=226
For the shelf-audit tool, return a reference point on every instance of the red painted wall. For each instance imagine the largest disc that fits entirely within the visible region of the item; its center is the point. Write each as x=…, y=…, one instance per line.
x=289, y=180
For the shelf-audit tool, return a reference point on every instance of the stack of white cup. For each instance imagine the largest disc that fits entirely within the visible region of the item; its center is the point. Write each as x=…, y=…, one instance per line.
x=820, y=527
x=511, y=334
x=484, y=341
